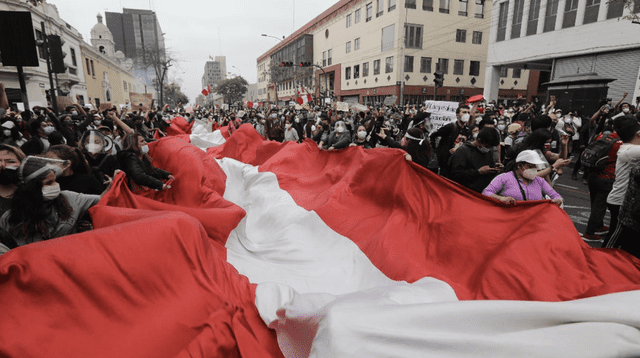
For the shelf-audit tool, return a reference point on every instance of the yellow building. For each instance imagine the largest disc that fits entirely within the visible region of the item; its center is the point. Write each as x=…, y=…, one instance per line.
x=109, y=76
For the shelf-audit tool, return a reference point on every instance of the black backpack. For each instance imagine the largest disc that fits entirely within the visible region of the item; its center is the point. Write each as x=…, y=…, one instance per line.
x=596, y=155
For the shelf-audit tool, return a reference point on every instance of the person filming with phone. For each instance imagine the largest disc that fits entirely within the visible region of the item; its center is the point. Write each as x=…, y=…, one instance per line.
x=472, y=165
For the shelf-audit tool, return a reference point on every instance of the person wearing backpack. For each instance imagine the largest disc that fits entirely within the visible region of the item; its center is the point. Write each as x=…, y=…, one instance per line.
x=599, y=161
x=628, y=129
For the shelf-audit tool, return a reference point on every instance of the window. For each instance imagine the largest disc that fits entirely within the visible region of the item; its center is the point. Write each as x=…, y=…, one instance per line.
x=125, y=85
x=516, y=73
x=550, y=16
x=458, y=67
x=86, y=60
x=477, y=38
x=356, y=71
x=504, y=72
x=376, y=67
x=409, y=4
x=427, y=5
x=518, y=8
x=348, y=49
x=365, y=69
x=615, y=9
x=356, y=16
x=380, y=8
x=329, y=57
x=347, y=73
x=502, y=20
x=413, y=36
x=388, y=64
x=388, y=38
x=324, y=58
x=425, y=64
x=356, y=44
x=74, y=62
x=443, y=65
x=41, y=53
x=408, y=63
x=474, y=68
x=93, y=70
x=534, y=13
x=461, y=35
x=462, y=7
x=444, y=6
x=369, y=11
x=392, y=5
x=591, y=11
x=479, y=9
x=570, y=12
x=349, y=20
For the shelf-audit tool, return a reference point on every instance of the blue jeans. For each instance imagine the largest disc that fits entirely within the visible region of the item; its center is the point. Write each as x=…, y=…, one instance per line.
x=598, y=191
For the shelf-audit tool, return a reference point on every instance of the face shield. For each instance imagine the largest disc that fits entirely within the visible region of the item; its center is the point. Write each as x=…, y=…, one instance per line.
x=38, y=167
x=94, y=142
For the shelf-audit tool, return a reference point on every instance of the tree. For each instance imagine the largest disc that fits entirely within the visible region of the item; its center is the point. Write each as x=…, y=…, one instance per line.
x=232, y=89
x=174, y=94
x=158, y=61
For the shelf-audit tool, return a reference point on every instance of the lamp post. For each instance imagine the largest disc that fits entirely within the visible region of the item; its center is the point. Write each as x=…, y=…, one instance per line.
x=274, y=37
x=274, y=83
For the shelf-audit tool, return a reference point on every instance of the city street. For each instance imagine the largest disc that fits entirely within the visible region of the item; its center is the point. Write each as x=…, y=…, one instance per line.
x=576, y=201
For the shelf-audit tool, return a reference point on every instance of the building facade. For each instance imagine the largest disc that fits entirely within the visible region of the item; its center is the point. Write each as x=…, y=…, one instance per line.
x=367, y=50
x=37, y=78
x=109, y=74
x=585, y=50
x=214, y=72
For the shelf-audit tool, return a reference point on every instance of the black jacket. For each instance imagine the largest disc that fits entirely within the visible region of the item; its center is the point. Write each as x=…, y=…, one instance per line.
x=464, y=164
x=141, y=172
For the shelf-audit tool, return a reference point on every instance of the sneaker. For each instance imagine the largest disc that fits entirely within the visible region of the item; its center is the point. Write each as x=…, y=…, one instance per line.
x=603, y=230
x=592, y=238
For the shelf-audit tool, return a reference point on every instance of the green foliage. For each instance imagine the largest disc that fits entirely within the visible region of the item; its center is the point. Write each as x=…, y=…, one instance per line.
x=232, y=89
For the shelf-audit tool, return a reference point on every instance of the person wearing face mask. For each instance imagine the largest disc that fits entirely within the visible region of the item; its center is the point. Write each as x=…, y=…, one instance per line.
x=40, y=130
x=11, y=135
x=135, y=162
x=10, y=159
x=339, y=138
x=472, y=165
x=290, y=133
x=449, y=135
x=522, y=183
x=360, y=139
x=40, y=210
x=76, y=176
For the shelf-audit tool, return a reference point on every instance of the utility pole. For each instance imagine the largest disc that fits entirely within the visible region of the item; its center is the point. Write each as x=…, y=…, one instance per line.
x=52, y=94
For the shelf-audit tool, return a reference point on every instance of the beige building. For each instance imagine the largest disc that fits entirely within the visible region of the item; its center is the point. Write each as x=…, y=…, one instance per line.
x=371, y=49
x=109, y=75
x=263, y=80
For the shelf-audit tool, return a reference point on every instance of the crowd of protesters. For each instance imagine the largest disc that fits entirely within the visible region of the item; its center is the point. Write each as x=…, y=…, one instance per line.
x=509, y=153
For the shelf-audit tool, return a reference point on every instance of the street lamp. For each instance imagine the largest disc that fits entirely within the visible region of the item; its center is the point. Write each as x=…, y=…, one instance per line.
x=277, y=38
x=240, y=72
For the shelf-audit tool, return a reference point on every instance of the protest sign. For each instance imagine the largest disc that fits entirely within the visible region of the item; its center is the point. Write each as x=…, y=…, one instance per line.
x=390, y=100
x=146, y=99
x=342, y=106
x=441, y=113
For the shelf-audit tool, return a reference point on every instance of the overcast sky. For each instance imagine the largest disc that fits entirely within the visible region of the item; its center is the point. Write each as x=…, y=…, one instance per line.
x=197, y=29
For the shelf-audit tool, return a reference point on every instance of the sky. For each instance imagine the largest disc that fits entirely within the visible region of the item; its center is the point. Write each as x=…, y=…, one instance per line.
x=197, y=29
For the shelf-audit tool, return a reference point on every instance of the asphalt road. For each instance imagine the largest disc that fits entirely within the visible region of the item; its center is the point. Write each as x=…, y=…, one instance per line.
x=576, y=201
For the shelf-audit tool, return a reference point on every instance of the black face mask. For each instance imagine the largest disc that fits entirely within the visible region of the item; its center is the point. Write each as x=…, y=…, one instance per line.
x=9, y=176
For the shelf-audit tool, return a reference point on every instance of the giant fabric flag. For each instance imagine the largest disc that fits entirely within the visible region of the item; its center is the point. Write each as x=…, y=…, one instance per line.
x=265, y=249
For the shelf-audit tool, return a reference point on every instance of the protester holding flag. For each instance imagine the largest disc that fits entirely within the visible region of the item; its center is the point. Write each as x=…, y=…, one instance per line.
x=136, y=163
x=339, y=138
x=290, y=133
x=472, y=165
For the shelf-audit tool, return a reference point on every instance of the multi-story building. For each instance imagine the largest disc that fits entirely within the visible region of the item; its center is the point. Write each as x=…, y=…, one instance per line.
x=264, y=79
x=37, y=78
x=252, y=93
x=109, y=74
x=366, y=50
x=214, y=72
x=137, y=34
x=585, y=49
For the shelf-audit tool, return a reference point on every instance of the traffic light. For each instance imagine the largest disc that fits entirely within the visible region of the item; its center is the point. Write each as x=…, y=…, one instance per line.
x=438, y=79
x=286, y=64
x=56, y=54
x=305, y=64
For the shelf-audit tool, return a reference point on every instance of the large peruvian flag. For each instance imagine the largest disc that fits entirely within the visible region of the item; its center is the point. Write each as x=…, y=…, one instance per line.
x=265, y=249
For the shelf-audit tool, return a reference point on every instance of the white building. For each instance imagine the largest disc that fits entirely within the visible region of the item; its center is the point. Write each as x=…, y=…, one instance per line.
x=214, y=72
x=37, y=78
x=585, y=49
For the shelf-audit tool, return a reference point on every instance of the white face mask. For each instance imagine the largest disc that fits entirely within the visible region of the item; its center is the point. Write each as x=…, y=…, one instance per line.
x=51, y=192
x=96, y=122
x=74, y=113
x=93, y=148
x=7, y=133
x=288, y=125
x=144, y=149
x=362, y=135
x=465, y=118
x=501, y=127
x=484, y=149
x=263, y=121
x=340, y=129
x=48, y=130
x=313, y=128
x=297, y=120
x=475, y=135
x=625, y=110
x=530, y=174
x=568, y=120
